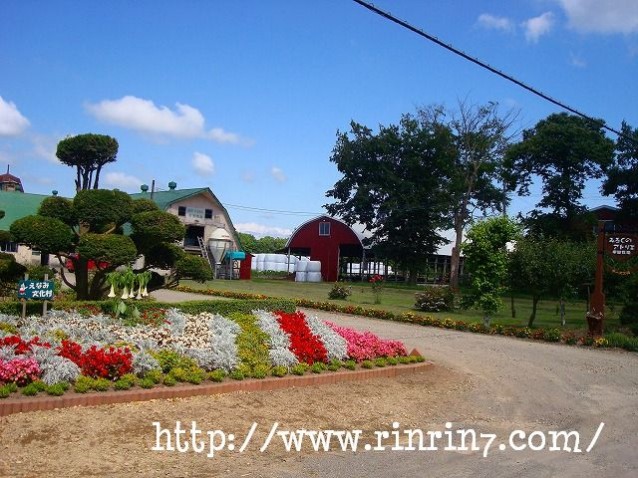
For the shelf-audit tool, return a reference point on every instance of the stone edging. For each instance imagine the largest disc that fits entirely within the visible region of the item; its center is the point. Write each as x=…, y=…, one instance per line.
x=9, y=406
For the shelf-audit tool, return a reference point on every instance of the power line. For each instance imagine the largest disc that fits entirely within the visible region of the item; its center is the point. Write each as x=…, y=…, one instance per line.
x=277, y=211
x=488, y=67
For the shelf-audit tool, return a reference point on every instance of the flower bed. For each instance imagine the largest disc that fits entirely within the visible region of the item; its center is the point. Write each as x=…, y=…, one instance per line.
x=67, y=349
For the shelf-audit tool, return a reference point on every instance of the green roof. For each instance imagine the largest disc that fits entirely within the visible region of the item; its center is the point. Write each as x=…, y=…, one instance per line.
x=165, y=198
x=17, y=205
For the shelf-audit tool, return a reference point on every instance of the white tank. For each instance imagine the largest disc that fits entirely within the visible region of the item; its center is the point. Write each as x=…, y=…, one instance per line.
x=219, y=242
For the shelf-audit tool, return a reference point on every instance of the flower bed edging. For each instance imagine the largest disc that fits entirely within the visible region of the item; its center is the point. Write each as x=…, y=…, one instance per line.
x=20, y=405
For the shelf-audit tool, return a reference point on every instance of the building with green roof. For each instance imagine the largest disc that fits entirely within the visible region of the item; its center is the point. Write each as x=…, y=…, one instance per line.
x=205, y=218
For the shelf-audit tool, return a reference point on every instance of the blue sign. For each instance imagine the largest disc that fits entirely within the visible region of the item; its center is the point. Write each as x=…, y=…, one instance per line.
x=35, y=289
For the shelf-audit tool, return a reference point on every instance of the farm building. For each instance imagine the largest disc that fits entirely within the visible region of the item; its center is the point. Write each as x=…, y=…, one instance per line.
x=209, y=229
x=342, y=254
x=327, y=240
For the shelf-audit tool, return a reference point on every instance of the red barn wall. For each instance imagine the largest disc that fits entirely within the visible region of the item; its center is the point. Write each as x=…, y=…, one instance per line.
x=324, y=248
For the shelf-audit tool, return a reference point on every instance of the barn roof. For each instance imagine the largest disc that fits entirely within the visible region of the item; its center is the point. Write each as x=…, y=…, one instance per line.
x=318, y=218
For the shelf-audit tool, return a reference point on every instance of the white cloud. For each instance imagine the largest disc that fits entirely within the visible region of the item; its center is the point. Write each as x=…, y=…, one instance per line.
x=492, y=22
x=144, y=116
x=260, y=230
x=12, y=123
x=538, y=26
x=203, y=164
x=122, y=181
x=45, y=147
x=278, y=174
x=601, y=16
x=248, y=176
x=577, y=61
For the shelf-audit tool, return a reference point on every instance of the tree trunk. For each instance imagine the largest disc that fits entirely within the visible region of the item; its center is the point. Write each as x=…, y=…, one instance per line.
x=562, y=311
x=81, y=271
x=532, y=316
x=455, y=259
x=413, y=276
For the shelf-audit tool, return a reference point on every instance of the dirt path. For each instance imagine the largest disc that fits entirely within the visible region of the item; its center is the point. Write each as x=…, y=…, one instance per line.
x=491, y=384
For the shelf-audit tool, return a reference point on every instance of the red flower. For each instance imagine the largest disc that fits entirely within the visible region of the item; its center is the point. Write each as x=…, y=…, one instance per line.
x=306, y=346
x=96, y=362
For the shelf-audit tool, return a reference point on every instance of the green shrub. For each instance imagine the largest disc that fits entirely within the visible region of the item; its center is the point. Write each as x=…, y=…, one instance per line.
x=392, y=361
x=629, y=316
x=169, y=360
x=34, y=388
x=279, y=371
x=318, y=367
x=101, y=384
x=122, y=384
x=404, y=359
x=216, y=375
x=8, y=328
x=380, y=362
x=236, y=374
x=299, y=369
x=170, y=381
x=350, y=364
x=367, y=364
x=260, y=371
x=334, y=365
x=155, y=375
x=339, y=292
x=434, y=299
x=146, y=383
x=622, y=341
x=57, y=389
x=83, y=384
x=552, y=335
x=5, y=391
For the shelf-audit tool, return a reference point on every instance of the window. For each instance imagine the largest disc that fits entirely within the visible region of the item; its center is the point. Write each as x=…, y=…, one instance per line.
x=181, y=211
x=208, y=214
x=324, y=228
x=8, y=247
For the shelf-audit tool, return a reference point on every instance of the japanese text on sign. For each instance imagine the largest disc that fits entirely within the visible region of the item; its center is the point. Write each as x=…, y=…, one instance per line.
x=621, y=245
x=32, y=289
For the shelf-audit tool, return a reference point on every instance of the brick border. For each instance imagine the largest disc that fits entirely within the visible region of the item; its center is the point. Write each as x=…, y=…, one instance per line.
x=10, y=406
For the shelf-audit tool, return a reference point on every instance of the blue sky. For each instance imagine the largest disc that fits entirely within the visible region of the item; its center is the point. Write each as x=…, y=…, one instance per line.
x=246, y=97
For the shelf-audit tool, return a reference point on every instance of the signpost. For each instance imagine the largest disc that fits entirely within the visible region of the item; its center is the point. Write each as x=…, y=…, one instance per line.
x=35, y=289
x=618, y=251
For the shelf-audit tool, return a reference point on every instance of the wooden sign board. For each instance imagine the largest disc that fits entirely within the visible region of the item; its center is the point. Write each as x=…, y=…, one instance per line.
x=621, y=247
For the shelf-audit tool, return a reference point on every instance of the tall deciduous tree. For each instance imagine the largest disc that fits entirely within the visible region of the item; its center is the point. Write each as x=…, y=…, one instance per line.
x=88, y=153
x=622, y=176
x=564, y=151
x=396, y=183
x=551, y=267
x=486, y=261
x=481, y=138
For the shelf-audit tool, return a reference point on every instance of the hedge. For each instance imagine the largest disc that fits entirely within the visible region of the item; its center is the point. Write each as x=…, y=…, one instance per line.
x=223, y=307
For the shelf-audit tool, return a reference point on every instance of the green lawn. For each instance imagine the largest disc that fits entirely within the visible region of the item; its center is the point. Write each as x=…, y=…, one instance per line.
x=400, y=299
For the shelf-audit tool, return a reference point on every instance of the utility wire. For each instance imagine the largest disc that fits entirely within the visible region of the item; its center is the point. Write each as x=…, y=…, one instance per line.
x=488, y=67
x=278, y=211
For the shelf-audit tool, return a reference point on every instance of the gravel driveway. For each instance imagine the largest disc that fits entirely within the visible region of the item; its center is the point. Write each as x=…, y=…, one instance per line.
x=489, y=384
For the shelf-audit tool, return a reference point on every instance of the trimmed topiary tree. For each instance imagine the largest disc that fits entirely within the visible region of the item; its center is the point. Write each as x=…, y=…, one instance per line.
x=88, y=231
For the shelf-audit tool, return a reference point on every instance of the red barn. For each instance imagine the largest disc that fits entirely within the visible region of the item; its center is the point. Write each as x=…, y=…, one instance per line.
x=326, y=239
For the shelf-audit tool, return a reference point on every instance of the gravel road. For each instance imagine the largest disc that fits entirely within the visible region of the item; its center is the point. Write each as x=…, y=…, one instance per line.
x=494, y=385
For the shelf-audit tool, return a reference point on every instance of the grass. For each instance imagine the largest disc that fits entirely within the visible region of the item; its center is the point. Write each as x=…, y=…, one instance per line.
x=399, y=298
